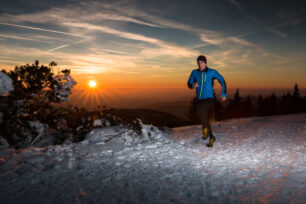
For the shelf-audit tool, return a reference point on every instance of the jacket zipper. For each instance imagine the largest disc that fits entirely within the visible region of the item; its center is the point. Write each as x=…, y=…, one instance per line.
x=202, y=84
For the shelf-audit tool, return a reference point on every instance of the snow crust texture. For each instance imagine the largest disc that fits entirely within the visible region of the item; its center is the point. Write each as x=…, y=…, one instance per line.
x=254, y=160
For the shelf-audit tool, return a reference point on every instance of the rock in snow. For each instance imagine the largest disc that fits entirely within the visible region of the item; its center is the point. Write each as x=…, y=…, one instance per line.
x=261, y=160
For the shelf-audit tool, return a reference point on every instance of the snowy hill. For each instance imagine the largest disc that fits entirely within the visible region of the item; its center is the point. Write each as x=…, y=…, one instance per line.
x=254, y=160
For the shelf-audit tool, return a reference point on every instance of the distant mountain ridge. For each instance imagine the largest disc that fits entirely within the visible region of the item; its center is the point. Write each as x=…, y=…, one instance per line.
x=149, y=116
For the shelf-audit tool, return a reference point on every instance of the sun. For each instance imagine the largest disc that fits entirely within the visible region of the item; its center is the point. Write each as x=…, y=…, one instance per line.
x=92, y=83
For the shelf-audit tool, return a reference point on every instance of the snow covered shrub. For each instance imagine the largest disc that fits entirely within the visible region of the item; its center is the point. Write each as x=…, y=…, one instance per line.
x=40, y=129
x=6, y=84
x=64, y=84
x=36, y=90
x=130, y=133
x=35, y=112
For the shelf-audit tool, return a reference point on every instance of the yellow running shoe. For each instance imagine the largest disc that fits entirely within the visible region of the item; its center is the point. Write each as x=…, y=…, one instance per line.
x=211, y=142
x=204, y=133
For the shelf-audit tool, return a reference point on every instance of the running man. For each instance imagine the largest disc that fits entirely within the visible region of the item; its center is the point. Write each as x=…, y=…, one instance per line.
x=203, y=79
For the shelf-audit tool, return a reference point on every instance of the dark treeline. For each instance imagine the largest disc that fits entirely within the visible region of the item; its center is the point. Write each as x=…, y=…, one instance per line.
x=250, y=106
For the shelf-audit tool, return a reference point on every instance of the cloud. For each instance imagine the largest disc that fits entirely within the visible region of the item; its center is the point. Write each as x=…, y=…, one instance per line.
x=21, y=38
x=283, y=17
x=243, y=11
x=109, y=30
x=164, y=47
x=88, y=20
x=41, y=29
x=75, y=43
x=9, y=61
x=81, y=15
x=115, y=51
x=62, y=46
x=76, y=20
x=277, y=32
x=79, y=63
x=84, y=12
x=206, y=35
x=291, y=17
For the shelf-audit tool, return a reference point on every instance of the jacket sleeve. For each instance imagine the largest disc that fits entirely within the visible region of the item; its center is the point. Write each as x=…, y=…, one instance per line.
x=191, y=80
x=222, y=82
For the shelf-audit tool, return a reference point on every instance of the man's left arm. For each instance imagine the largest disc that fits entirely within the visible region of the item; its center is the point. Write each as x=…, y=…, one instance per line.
x=221, y=80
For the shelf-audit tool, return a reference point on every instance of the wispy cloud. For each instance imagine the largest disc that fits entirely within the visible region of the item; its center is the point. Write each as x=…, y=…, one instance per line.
x=41, y=29
x=11, y=62
x=79, y=63
x=243, y=11
x=206, y=35
x=77, y=16
x=90, y=20
x=83, y=12
x=277, y=32
x=104, y=29
x=272, y=22
x=165, y=48
x=21, y=38
x=115, y=51
x=62, y=46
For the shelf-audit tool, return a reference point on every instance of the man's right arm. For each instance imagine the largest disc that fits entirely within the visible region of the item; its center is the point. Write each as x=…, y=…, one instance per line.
x=191, y=80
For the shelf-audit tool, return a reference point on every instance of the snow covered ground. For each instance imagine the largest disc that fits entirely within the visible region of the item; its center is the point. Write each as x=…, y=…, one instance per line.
x=254, y=160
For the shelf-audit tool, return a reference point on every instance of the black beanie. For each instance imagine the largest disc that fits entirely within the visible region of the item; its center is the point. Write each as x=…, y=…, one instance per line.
x=202, y=58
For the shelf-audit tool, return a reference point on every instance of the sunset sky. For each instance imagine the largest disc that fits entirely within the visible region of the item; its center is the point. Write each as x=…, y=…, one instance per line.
x=149, y=44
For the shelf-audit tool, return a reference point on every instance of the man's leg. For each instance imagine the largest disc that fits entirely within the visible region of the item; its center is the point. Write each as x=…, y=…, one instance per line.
x=199, y=111
x=206, y=106
x=209, y=131
x=202, y=110
x=200, y=114
x=211, y=136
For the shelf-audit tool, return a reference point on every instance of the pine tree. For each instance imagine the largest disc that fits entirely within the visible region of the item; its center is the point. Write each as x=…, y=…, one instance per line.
x=296, y=92
x=260, y=106
x=271, y=105
x=247, y=106
x=237, y=99
x=297, y=103
x=217, y=110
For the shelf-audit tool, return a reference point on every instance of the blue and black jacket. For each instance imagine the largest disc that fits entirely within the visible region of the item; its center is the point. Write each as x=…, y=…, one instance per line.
x=205, y=80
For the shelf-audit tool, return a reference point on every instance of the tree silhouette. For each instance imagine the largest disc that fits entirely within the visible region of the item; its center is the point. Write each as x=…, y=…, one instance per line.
x=247, y=107
x=29, y=80
x=36, y=87
x=286, y=103
x=237, y=98
x=260, y=109
x=52, y=64
x=234, y=108
x=217, y=110
x=297, y=103
x=271, y=105
x=296, y=92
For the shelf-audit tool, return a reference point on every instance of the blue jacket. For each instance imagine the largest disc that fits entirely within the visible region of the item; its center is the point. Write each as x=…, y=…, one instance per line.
x=205, y=80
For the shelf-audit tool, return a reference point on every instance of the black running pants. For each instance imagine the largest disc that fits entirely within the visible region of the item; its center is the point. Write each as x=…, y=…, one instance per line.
x=203, y=110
